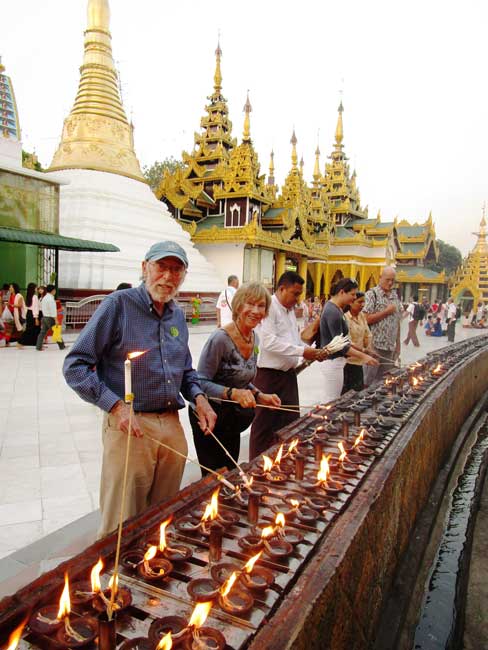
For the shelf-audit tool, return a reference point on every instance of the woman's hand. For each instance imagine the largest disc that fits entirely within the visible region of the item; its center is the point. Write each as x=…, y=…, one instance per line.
x=269, y=399
x=244, y=398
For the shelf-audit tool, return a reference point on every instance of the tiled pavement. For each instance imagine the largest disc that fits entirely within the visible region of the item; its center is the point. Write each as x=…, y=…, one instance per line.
x=50, y=456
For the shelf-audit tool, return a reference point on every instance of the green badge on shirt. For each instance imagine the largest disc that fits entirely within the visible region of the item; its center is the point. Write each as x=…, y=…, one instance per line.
x=174, y=331
x=256, y=349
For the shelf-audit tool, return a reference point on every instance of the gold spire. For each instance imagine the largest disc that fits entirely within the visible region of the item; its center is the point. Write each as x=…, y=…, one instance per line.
x=218, y=73
x=246, y=135
x=96, y=135
x=2, y=67
x=302, y=164
x=339, y=134
x=271, y=177
x=316, y=169
x=294, y=157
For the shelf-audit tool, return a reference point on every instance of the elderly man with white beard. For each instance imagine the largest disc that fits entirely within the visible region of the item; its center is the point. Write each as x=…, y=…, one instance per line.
x=147, y=319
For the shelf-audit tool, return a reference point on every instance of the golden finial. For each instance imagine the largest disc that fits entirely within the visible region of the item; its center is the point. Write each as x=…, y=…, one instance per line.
x=483, y=219
x=98, y=15
x=246, y=135
x=218, y=73
x=271, y=178
x=294, y=157
x=302, y=164
x=339, y=134
x=2, y=67
x=316, y=169
x=96, y=134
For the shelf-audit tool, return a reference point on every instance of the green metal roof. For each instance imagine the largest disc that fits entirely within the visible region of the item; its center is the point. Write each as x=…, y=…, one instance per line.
x=413, y=248
x=411, y=231
x=208, y=222
x=343, y=233
x=412, y=271
x=53, y=240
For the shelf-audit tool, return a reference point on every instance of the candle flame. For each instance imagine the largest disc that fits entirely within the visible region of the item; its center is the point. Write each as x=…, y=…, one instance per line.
x=359, y=439
x=438, y=368
x=267, y=463
x=212, y=508
x=228, y=584
x=280, y=519
x=324, y=471
x=343, y=453
x=14, y=638
x=295, y=503
x=96, y=587
x=134, y=355
x=165, y=643
x=64, y=601
x=277, y=460
x=200, y=614
x=150, y=553
x=162, y=534
x=114, y=580
x=293, y=445
x=415, y=381
x=249, y=566
x=267, y=532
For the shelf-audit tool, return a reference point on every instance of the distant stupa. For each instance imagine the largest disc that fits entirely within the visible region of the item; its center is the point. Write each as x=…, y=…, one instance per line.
x=469, y=285
x=107, y=198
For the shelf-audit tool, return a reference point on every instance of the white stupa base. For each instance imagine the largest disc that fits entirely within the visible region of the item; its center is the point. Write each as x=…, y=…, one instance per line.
x=117, y=210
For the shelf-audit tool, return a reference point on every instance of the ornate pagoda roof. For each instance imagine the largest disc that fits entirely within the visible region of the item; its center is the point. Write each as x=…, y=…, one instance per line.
x=9, y=116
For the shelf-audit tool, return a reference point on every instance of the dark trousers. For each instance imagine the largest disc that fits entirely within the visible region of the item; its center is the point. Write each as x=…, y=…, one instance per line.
x=451, y=330
x=232, y=420
x=29, y=337
x=46, y=324
x=267, y=421
x=412, y=333
x=353, y=378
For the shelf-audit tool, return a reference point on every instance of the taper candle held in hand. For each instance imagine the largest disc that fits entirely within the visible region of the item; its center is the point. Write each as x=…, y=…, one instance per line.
x=128, y=381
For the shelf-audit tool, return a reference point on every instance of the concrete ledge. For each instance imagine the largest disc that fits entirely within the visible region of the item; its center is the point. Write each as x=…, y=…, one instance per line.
x=337, y=601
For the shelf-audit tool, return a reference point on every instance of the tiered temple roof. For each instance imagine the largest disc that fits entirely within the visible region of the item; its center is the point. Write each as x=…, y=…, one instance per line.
x=470, y=282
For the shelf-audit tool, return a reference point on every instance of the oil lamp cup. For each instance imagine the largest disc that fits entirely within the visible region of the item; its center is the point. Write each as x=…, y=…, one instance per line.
x=177, y=625
x=45, y=621
x=238, y=602
x=188, y=524
x=85, y=628
x=277, y=549
x=81, y=593
x=250, y=543
x=289, y=514
x=307, y=515
x=221, y=572
x=177, y=553
x=122, y=600
x=207, y=639
x=155, y=570
x=202, y=590
x=131, y=559
x=258, y=580
x=293, y=537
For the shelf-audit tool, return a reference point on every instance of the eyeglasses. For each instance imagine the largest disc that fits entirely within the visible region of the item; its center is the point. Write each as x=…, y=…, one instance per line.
x=162, y=267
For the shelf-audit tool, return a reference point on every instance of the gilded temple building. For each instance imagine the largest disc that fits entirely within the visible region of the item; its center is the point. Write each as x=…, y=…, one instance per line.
x=239, y=220
x=248, y=226
x=469, y=286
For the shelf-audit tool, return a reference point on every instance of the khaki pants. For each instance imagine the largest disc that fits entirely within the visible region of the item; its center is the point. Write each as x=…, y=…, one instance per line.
x=154, y=473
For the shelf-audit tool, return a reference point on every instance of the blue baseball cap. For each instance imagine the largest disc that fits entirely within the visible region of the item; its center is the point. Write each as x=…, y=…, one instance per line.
x=166, y=249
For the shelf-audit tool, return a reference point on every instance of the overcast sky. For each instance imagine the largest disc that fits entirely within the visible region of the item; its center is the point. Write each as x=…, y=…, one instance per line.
x=413, y=76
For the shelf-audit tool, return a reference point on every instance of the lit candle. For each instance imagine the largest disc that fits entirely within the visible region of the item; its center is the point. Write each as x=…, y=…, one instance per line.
x=128, y=380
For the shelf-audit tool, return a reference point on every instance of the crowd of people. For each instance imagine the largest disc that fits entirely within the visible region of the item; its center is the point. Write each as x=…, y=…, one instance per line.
x=246, y=374
x=27, y=321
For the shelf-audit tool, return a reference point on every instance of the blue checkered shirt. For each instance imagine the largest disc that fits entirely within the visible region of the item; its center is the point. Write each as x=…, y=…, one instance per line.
x=126, y=321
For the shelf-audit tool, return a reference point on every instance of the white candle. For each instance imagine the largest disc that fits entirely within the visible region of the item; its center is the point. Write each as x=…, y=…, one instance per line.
x=128, y=378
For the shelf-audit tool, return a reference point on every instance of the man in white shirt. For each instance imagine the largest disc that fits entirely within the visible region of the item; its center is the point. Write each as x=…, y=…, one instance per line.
x=224, y=301
x=49, y=315
x=414, y=315
x=451, y=320
x=280, y=352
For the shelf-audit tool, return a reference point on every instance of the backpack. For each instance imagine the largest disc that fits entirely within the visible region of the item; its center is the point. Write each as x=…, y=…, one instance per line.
x=418, y=312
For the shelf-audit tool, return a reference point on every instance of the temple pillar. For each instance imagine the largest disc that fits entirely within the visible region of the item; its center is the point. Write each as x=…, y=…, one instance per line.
x=327, y=280
x=362, y=278
x=302, y=272
x=317, y=276
x=280, y=260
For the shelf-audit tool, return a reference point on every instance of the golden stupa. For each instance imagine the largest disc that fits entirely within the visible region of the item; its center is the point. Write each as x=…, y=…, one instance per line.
x=96, y=134
x=469, y=285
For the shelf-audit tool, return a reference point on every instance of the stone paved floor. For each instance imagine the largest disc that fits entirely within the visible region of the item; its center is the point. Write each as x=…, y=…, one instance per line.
x=50, y=456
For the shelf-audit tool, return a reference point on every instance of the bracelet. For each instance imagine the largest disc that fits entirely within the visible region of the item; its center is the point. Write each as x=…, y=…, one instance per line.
x=257, y=394
x=228, y=393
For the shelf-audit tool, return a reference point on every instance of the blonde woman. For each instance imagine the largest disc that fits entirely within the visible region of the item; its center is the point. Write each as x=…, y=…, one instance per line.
x=226, y=369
